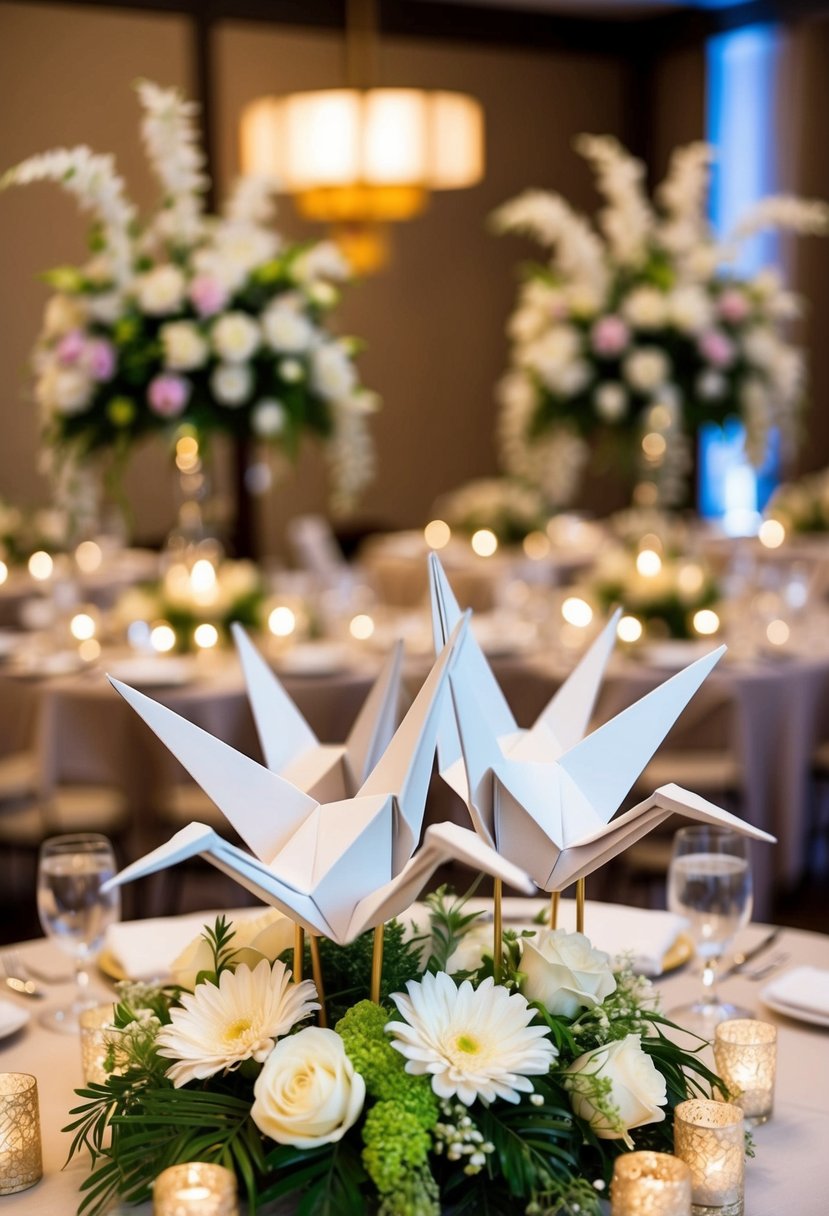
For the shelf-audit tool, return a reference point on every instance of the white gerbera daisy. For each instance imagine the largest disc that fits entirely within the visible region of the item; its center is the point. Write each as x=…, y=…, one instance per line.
x=476, y=1042
x=241, y=1019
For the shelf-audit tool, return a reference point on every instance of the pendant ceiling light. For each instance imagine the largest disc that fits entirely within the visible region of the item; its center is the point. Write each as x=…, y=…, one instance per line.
x=360, y=157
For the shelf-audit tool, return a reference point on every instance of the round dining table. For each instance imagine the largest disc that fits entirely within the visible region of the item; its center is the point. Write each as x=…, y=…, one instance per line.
x=785, y=1176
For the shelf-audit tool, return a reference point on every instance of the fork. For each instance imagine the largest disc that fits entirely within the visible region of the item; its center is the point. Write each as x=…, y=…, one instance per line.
x=767, y=967
x=13, y=964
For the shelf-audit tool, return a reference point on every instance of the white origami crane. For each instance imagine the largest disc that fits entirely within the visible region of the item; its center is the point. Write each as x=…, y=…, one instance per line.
x=554, y=818
x=337, y=868
x=289, y=745
x=560, y=725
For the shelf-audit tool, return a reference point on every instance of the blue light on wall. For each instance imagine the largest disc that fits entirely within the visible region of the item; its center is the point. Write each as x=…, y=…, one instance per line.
x=741, y=76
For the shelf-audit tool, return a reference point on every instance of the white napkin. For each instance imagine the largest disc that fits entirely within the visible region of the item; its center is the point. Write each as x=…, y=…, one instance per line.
x=805, y=988
x=146, y=949
x=12, y=1017
x=645, y=934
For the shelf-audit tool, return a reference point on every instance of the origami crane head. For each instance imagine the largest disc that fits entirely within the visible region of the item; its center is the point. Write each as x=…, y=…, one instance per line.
x=560, y=725
x=554, y=817
x=289, y=745
x=338, y=868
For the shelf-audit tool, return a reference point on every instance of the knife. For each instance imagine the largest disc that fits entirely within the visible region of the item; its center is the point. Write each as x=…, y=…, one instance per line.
x=24, y=987
x=739, y=960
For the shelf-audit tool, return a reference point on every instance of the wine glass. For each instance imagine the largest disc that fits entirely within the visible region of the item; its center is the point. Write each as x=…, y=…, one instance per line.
x=74, y=911
x=709, y=883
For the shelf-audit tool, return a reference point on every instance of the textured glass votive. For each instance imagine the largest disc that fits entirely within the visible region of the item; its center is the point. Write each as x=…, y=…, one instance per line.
x=746, y=1054
x=96, y=1036
x=21, y=1165
x=709, y=1138
x=195, y=1189
x=650, y=1184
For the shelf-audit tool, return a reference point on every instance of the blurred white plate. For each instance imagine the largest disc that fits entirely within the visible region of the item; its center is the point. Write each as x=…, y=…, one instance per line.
x=41, y=666
x=150, y=672
x=676, y=654
x=315, y=659
x=794, y=1011
x=12, y=1018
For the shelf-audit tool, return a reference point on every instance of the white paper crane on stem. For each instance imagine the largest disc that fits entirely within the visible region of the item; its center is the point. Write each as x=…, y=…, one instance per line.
x=336, y=868
x=554, y=818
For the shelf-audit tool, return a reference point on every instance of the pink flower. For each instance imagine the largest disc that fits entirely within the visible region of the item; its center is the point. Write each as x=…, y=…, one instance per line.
x=733, y=306
x=207, y=295
x=609, y=336
x=71, y=347
x=168, y=395
x=716, y=348
x=99, y=359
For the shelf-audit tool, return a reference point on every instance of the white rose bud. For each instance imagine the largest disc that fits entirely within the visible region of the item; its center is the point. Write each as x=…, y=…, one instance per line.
x=268, y=418
x=645, y=308
x=231, y=384
x=62, y=315
x=105, y=306
x=638, y=1088
x=287, y=330
x=646, y=369
x=291, y=371
x=308, y=1093
x=65, y=390
x=235, y=337
x=564, y=973
x=611, y=401
x=690, y=309
x=332, y=372
x=184, y=347
x=160, y=291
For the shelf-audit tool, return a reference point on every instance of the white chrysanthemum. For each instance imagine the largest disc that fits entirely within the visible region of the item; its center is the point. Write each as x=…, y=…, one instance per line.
x=475, y=1042
x=218, y=1027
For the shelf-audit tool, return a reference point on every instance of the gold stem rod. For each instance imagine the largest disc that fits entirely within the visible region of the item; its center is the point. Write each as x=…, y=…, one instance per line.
x=316, y=970
x=497, y=930
x=580, y=905
x=299, y=951
x=377, y=964
x=555, y=898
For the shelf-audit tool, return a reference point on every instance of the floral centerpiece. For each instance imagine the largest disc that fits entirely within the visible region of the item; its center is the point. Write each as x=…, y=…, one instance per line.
x=453, y=1093
x=189, y=318
x=511, y=509
x=22, y=532
x=802, y=506
x=188, y=597
x=666, y=593
x=644, y=327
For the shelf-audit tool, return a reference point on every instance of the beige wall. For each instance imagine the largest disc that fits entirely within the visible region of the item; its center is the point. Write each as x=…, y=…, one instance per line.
x=434, y=320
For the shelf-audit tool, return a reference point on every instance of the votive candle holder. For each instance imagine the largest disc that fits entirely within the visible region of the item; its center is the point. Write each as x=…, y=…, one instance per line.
x=21, y=1162
x=96, y=1039
x=709, y=1137
x=745, y=1051
x=650, y=1184
x=197, y=1188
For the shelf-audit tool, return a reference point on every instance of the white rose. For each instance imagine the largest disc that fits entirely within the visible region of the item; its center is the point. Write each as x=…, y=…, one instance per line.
x=760, y=346
x=611, y=401
x=231, y=383
x=469, y=952
x=63, y=314
x=160, y=290
x=322, y=261
x=291, y=370
x=583, y=300
x=324, y=295
x=690, y=309
x=646, y=369
x=105, y=306
x=235, y=337
x=702, y=261
x=308, y=1093
x=638, y=1089
x=332, y=372
x=66, y=390
x=265, y=936
x=184, y=347
x=287, y=330
x=268, y=418
x=645, y=308
x=564, y=973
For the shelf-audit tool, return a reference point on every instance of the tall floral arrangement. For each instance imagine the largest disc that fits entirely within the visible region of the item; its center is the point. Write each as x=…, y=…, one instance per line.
x=191, y=319
x=642, y=325
x=456, y=1092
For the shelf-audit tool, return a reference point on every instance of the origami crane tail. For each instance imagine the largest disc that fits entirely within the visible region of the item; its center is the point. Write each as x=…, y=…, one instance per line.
x=263, y=808
x=377, y=721
x=283, y=732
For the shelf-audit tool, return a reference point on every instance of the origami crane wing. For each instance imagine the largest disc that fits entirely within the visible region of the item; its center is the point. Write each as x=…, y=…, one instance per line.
x=289, y=744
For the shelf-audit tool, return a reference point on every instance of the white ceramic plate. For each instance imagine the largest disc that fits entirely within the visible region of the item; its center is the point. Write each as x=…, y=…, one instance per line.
x=12, y=1018
x=150, y=672
x=793, y=1011
x=315, y=659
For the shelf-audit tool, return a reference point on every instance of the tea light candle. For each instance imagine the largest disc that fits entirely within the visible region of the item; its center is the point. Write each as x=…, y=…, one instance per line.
x=650, y=1184
x=195, y=1189
x=21, y=1164
x=709, y=1138
x=96, y=1036
x=746, y=1054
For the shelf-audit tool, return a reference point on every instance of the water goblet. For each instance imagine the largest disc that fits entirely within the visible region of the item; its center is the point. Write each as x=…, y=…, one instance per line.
x=74, y=911
x=709, y=883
